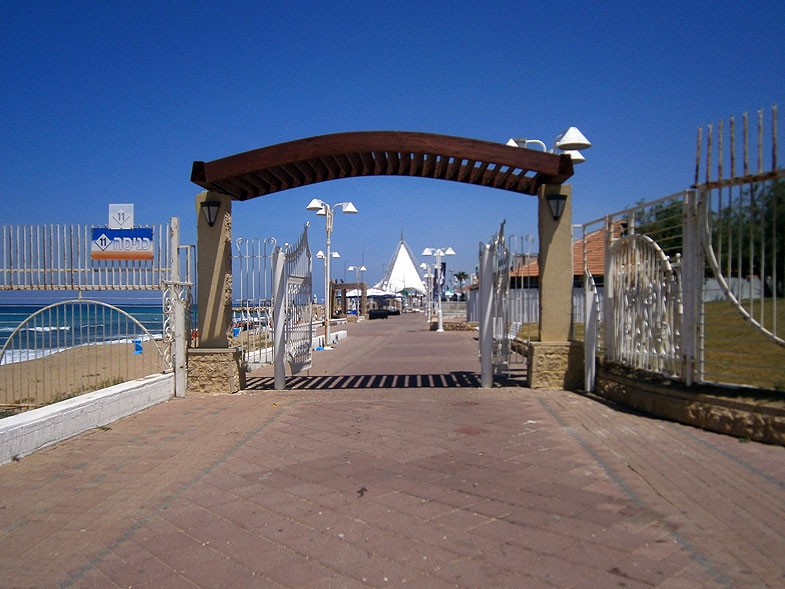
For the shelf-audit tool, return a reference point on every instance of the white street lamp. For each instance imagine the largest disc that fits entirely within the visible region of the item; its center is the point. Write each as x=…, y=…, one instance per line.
x=569, y=142
x=357, y=269
x=438, y=253
x=325, y=210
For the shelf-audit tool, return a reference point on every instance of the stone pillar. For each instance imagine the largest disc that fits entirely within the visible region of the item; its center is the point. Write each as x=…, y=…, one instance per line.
x=555, y=266
x=214, y=272
x=554, y=362
x=214, y=367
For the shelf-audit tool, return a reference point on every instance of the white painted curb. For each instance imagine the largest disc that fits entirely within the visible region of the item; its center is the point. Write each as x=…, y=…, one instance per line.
x=27, y=432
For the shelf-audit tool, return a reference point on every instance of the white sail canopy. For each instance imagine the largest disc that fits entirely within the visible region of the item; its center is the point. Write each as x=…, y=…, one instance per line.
x=401, y=273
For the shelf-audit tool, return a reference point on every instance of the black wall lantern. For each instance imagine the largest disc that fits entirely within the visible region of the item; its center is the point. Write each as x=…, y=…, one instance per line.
x=210, y=210
x=556, y=202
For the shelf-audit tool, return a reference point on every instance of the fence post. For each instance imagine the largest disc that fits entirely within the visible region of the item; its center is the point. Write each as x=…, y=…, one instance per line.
x=591, y=311
x=608, y=309
x=692, y=290
x=486, y=317
x=176, y=296
x=279, y=317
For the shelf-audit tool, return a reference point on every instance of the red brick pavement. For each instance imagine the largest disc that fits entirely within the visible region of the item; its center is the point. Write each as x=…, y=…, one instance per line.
x=429, y=482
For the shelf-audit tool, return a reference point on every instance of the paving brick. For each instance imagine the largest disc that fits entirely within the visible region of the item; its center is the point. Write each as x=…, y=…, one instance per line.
x=423, y=483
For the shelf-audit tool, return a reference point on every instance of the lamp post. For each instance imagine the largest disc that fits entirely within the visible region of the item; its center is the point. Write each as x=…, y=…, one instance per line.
x=438, y=253
x=327, y=211
x=357, y=269
x=569, y=142
x=428, y=276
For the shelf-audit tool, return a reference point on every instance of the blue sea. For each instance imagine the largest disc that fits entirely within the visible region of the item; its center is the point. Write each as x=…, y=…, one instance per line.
x=38, y=331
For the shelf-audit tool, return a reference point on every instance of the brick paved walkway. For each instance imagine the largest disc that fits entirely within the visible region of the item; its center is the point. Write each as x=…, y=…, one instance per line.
x=428, y=482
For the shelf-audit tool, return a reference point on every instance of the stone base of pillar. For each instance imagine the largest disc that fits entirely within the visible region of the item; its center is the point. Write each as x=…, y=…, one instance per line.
x=215, y=371
x=555, y=365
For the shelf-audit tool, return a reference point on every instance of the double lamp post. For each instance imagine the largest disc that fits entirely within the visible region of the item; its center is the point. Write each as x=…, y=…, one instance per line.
x=327, y=211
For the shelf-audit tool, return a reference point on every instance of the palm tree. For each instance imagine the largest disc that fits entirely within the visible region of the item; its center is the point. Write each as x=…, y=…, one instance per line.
x=461, y=276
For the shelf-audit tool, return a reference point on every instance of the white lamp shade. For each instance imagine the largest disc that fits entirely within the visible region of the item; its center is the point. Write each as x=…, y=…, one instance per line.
x=363, y=268
x=335, y=255
x=348, y=207
x=449, y=252
x=576, y=156
x=320, y=254
x=315, y=205
x=427, y=252
x=571, y=139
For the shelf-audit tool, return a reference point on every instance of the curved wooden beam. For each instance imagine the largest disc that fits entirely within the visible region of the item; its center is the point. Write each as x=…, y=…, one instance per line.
x=381, y=153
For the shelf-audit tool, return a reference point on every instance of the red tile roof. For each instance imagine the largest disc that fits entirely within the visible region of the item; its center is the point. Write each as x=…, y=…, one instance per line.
x=595, y=255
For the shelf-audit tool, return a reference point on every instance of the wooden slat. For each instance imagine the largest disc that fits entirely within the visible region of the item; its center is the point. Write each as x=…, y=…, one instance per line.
x=297, y=176
x=280, y=175
x=368, y=164
x=395, y=162
x=465, y=171
x=306, y=170
x=356, y=163
x=382, y=162
x=406, y=164
x=477, y=173
x=417, y=165
x=321, y=170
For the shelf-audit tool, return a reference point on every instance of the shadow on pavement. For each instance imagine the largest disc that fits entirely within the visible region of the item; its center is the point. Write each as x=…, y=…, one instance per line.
x=370, y=381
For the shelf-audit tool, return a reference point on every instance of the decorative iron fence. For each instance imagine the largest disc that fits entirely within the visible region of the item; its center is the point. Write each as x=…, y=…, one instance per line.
x=54, y=346
x=742, y=211
x=292, y=309
x=252, y=299
x=723, y=243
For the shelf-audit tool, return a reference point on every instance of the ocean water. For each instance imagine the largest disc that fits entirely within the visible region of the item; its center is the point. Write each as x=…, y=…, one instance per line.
x=33, y=330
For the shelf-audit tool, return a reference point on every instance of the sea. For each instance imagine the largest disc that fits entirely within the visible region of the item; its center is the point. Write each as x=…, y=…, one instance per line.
x=38, y=330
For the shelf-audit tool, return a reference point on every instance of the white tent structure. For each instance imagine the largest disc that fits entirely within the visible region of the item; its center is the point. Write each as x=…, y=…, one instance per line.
x=401, y=273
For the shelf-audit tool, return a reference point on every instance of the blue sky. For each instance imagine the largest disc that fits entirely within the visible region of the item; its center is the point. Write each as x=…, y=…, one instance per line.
x=111, y=102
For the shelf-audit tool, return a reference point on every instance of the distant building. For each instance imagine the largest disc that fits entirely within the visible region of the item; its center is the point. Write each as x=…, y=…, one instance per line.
x=401, y=273
x=526, y=274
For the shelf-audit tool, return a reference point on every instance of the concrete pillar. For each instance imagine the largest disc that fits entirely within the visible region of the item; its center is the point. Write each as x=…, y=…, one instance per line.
x=555, y=362
x=214, y=272
x=214, y=367
x=555, y=266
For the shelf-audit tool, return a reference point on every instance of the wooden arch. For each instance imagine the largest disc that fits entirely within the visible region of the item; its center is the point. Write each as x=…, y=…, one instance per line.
x=381, y=153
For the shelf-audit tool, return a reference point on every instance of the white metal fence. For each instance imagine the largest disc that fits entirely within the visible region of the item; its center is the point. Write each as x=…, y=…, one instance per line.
x=722, y=262
x=292, y=309
x=252, y=299
x=59, y=257
x=59, y=343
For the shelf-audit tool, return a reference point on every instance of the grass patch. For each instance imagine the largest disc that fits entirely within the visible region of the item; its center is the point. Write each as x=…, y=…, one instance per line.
x=736, y=351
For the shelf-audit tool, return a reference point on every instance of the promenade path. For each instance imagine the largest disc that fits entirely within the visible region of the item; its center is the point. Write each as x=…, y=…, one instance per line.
x=387, y=466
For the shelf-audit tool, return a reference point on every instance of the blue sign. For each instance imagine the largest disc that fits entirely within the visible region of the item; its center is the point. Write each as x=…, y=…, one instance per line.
x=122, y=244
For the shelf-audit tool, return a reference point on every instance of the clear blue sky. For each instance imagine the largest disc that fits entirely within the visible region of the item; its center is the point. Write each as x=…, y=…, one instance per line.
x=110, y=102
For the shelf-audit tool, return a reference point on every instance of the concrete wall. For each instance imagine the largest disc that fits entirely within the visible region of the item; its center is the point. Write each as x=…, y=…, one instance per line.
x=27, y=432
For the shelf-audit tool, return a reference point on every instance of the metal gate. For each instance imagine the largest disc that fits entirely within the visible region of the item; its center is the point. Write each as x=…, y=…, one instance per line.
x=496, y=330
x=65, y=348
x=293, y=311
x=695, y=282
x=643, y=324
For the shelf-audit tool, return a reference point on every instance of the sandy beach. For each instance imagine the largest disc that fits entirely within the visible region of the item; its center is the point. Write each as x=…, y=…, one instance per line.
x=75, y=371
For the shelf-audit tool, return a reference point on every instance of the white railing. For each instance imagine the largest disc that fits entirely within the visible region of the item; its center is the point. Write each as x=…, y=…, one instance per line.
x=61, y=257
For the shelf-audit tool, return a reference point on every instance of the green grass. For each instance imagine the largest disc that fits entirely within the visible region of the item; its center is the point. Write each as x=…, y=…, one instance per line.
x=737, y=352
